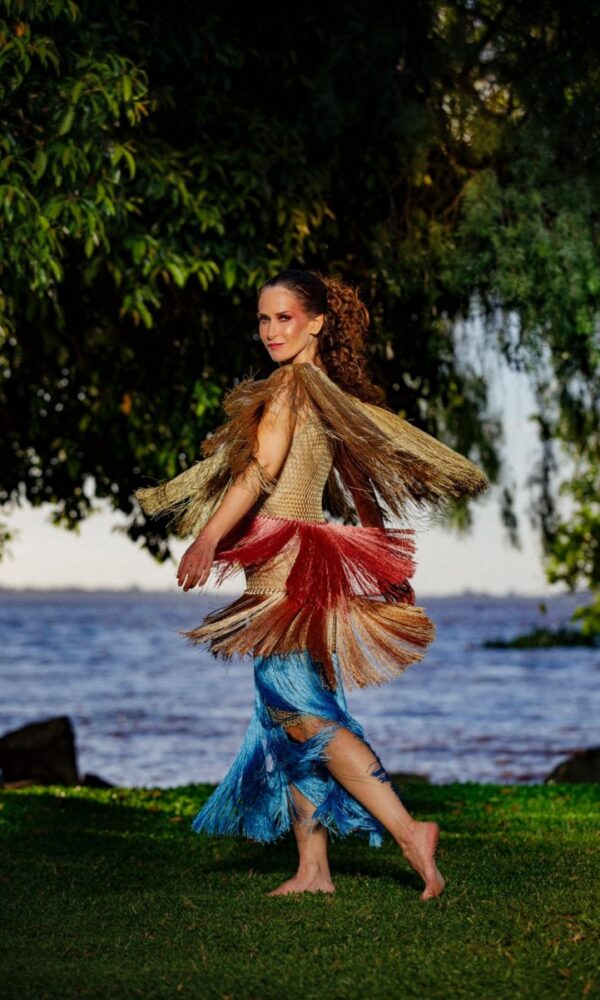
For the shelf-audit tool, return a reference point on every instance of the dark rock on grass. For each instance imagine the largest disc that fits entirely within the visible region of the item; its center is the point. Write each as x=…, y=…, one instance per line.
x=95, y=781
x=43, y=753
x=582, y=765
x=409, y=776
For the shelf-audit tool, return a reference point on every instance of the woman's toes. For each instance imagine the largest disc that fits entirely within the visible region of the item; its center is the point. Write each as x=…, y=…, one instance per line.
x=420, y=854
x=303, y=885
x=286, y=887
x=434, y=888
x=326, y=886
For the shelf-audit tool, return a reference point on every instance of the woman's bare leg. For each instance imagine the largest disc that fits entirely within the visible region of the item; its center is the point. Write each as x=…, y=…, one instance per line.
x=313, y=873
x=353, y=763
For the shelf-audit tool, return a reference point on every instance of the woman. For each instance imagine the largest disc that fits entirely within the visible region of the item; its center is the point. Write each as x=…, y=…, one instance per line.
x=327, y=606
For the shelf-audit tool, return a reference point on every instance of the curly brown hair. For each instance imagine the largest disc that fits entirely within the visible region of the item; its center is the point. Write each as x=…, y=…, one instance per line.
x=342, y=339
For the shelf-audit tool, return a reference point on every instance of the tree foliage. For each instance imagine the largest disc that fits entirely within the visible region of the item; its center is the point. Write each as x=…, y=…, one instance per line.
x=156, y=165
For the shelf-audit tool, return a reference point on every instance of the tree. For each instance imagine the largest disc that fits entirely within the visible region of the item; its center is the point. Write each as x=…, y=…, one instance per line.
x=155, y=169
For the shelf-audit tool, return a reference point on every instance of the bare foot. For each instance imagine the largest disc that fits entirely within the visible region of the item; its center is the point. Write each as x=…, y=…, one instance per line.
x=419, y=850
x=313, y=881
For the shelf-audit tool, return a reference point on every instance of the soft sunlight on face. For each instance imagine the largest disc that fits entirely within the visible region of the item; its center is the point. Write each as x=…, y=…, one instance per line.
x=289, y=334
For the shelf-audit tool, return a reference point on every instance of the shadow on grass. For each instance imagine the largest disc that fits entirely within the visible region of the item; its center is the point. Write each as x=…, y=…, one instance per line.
x=128, y=830
x=61, y=826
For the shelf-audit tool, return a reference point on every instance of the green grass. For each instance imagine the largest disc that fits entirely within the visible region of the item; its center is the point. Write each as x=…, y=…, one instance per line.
x=108, y=893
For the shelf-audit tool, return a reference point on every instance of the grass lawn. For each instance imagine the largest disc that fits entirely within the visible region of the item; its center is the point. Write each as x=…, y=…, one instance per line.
x=108, y=893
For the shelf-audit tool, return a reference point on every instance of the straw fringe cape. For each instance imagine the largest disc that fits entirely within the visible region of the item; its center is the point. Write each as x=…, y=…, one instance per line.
x=312, y=583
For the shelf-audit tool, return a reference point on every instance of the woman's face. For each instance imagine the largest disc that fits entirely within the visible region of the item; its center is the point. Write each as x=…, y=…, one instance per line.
x=288, y=333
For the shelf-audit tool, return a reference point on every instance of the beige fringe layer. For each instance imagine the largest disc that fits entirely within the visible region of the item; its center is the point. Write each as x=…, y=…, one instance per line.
x=375, y=640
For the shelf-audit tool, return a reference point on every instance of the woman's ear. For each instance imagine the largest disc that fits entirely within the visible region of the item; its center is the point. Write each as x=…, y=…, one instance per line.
x=317, y=323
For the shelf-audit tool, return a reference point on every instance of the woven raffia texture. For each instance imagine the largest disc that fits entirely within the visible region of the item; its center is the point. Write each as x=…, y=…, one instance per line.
x=299, y=490
x=299, y=495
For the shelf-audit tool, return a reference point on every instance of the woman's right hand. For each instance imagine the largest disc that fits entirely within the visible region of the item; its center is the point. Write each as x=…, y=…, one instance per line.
x=196, y=562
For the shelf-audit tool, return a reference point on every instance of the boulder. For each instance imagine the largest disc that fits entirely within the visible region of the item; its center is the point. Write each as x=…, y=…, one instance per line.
x=582, y=765
x=40, y=753
x=402, y=777
x=95, y=781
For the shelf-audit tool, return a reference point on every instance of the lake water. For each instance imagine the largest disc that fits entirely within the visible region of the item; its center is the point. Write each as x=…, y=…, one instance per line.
x=150, y=710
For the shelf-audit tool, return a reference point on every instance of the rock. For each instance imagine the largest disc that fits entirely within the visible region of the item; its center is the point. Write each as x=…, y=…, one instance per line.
x=582, y=765
x=94, y=781
x=410, y=776
x=40, y=753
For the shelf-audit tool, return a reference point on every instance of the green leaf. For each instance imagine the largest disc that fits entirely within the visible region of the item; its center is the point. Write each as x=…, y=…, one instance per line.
x=56, y=268
x=229, y=273
x=130, y=162
x=54, y=208
x=39, y=163
x=146, y=315
x=67, y=121
x=177, y=273
x=77, y=91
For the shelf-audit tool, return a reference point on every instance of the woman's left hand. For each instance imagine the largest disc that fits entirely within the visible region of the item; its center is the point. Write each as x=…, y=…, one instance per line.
x=196, y=562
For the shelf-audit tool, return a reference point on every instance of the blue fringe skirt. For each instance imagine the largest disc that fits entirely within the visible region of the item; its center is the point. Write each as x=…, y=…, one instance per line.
x=254, y=799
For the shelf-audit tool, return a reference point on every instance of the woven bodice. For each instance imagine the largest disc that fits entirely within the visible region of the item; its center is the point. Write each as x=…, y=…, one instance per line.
x=298, y=494
x=299, y=489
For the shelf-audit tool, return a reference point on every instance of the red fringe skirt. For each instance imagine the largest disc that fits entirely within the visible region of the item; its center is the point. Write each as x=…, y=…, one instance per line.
x=325, y=588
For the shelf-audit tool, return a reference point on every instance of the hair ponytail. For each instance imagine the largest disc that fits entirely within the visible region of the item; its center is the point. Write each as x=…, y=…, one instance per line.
x=342, y=341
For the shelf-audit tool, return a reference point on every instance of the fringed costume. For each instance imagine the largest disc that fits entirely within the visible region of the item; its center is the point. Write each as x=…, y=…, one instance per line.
x=327, y=606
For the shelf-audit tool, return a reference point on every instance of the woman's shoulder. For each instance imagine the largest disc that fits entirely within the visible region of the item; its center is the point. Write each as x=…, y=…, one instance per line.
x=286, y=386
x=298, y=371
x=300, y=387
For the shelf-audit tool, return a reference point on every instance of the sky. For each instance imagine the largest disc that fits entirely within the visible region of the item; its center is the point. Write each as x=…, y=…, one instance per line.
x=483, y=561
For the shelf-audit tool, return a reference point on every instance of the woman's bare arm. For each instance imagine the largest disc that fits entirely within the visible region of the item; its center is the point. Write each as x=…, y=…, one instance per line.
x=274, y=436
